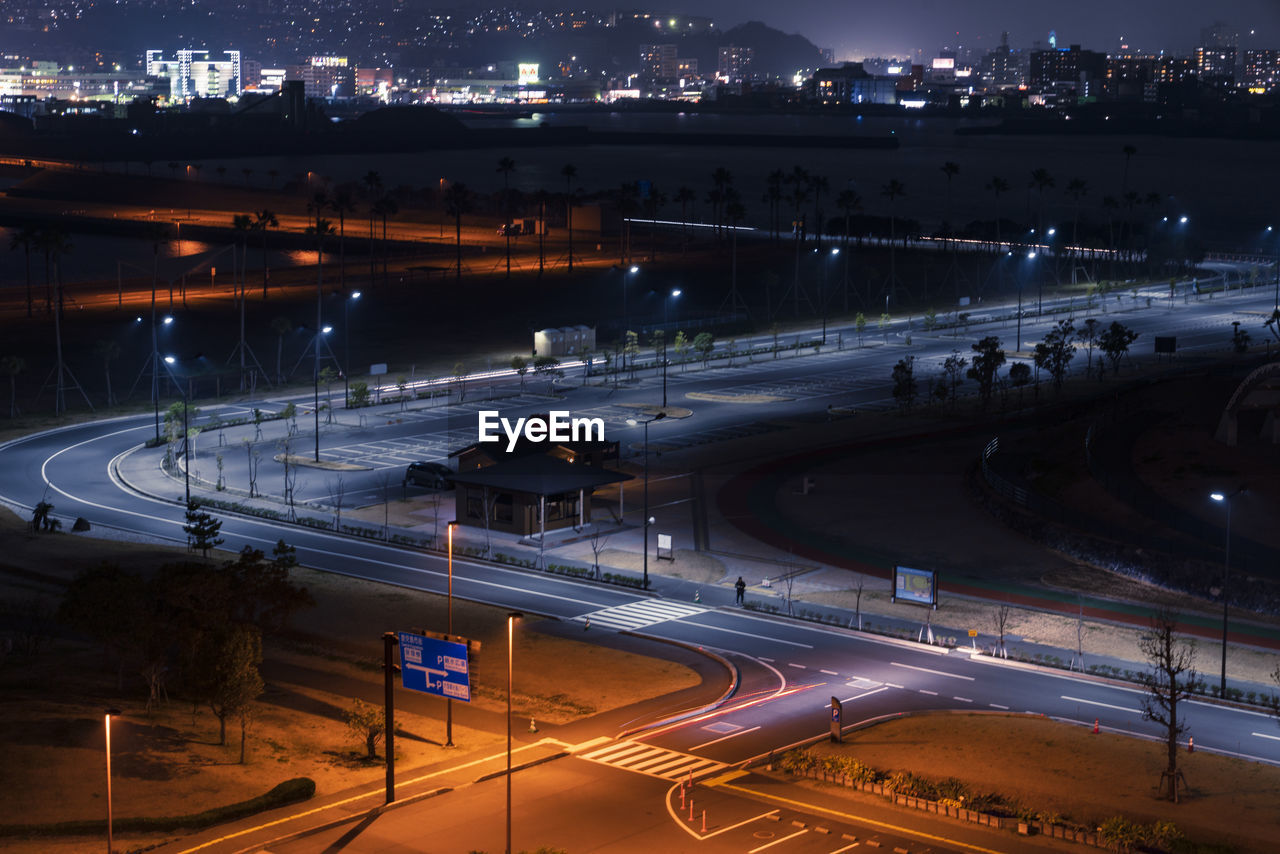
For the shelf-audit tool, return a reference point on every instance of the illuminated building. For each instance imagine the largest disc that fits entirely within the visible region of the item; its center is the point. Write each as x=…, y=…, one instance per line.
x=735, y=63
x=192, y=74
x=1261, y=71
x=851, y=84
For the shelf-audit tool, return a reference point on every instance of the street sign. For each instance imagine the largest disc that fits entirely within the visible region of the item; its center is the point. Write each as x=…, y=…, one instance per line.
x=435, y=666
x=378, y=370
x=973, y=633
x=837, y=732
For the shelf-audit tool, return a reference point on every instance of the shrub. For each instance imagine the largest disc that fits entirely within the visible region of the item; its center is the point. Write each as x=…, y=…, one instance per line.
x=1120, y=834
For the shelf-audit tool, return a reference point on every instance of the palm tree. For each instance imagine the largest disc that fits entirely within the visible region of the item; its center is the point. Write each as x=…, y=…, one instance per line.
x=457, y=200
x=262, y=221
x=892, y=191
x=108, y=350
x=342, y=203
x=722, y=178
x=26, y=238
x=684, y=196
x=506, y=166
x=319, y=201
x=569, y=171
x=819, y=184
x=734, y=212
x=1128, y=152
x=652, y=204
x=996, y=186
x=848, y=201
x=11, y=366
x=626, y=202
x=951, y=170
x=1110, y=205
x=773, y=195
x=798, y=197
x=282, y=326
x=541, y=197
x=1040, y=181
x=373, y=190
x=247, y=173
x=1077, y=189
x=384, y=207
x=273, y=174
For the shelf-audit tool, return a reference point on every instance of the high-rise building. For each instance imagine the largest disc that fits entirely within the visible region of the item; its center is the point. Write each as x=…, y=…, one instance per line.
x=1067, y=71
x=1261, y=71
x=192, y=74
x=735, y=63
x=1004, y=67
x=1132, y=77
x=659, y=61
x=1216, y=66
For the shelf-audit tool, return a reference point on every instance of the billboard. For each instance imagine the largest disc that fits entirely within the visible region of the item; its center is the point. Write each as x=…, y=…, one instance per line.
x=915, y=586
x=527, y=73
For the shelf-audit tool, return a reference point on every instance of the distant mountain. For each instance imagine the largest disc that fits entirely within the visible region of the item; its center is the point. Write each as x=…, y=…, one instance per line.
x=776, y=52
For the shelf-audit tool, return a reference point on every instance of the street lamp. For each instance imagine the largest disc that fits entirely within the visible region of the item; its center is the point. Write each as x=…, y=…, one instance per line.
x=1224, y=498
x=107, y=716
x=632, y=422
x=448, y=721
x=315, y=378
x=1031, y=256
x=626, y=322
x=1269, y=231
x=186, y=431
x=511, y=630
x=665, y=302
x=346, y=346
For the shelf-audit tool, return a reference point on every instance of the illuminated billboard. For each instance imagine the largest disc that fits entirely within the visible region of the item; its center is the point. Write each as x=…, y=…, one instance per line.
x=528, y=73
x=915, y=586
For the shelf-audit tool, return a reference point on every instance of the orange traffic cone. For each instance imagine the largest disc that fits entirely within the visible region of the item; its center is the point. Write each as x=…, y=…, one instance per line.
x=1095, y=726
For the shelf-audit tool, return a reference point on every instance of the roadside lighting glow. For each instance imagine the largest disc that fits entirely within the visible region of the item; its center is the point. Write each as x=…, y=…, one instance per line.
x=1052, y=232
x=355, y=295
x=326, y=330
x=1182, y=220
x=634, y=269
x=1217, y=496
x=168, y=319
x=1031, y=256
x=137, y=320
x=835, y=251
x=169, y=360
x=1165, y=219
x=676, y=292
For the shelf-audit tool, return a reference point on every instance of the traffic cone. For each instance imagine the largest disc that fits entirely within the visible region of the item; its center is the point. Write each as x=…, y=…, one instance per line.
x=697, y=595
x=587, y=624
x=1095, y=726
x=533, y=727
x=1191, y=745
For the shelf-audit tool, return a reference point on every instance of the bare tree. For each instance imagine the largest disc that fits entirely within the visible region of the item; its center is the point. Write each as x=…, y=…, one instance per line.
x=290, y=476
x=1171, y=679
x=598, y=542
x=254, y=458
x=337, y=490
x=1079, y=656
x=857, y=600
x=1001, y=620
x=386, y=504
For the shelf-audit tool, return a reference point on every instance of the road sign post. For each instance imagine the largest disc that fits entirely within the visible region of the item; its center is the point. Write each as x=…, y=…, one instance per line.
x=435, y=666
x=837, y=734
x=389, y=669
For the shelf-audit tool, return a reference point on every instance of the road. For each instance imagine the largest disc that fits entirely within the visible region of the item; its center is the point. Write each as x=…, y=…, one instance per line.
x=793, y=668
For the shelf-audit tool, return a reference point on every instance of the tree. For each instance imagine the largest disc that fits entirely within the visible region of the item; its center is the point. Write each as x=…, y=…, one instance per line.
x=681, y=345
x=953, y=373
x=227, y=659
x=1001, y=620
x=384, y=207
x=1114, y=343
x=1077, y=189
x=458, y=201
x=883, y=323
x=892, y=191
x=703, y=345
x=683, y=196
x=506, y=166
x=860, y=324
x=263, y=221
x=520, y=365
x=1088, y=336
x=368, y=723
x=951, y=169
x=202, y=529
x=282, y=326
x=630, y=350
x=904, y=383
x=1055, y=352
x=460, y=379
x=1019, y=376
x=548, y=367
x=107, y=604
x=996, y=186
x=1171, y=679
x=987, y=359
x=327, y=377
x=26, y=239
x=11, y=366
x=569, y=172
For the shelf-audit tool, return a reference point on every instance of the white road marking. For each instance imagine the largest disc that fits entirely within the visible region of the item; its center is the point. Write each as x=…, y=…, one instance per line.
x=797, y=666
x=770, y=660
x=930, y=693
x=894, y=685
x=934, y=672
x=998, y=706
x=1264, y=735
x=860, y=696
x=723, y=738
x=962, y=699
x=829, y=672
x=1103, y=705
x=778, y=841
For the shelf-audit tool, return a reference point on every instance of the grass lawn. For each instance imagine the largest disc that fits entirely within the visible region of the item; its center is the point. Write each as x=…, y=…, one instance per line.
x=1055, y=768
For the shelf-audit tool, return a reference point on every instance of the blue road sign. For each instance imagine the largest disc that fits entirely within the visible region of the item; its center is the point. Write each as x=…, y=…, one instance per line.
x=435, y=666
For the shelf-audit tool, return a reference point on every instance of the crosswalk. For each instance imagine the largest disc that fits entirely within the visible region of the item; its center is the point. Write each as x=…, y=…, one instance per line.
x=652, y=761
x=637, y=615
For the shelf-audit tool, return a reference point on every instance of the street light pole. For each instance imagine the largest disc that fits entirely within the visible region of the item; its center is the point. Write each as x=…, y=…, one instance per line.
x=1226, y=577
x=346, y=346
x=665, y=302
x=110, y=713
x=448, y=721
x=186, y=430
x=511, y=622
x=633, y=422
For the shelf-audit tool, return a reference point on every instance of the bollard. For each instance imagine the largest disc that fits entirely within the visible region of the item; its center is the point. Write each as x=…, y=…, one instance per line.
x=586, y=625
x=697, y=595
x=704, y=821
x=533, y=727
x=689, y=784
x=1095, y=726
x=691, y=809
x=682, y=797
x=1191, y=744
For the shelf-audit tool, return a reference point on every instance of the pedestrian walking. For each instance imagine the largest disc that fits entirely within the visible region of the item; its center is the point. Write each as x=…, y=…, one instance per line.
x=741, y=587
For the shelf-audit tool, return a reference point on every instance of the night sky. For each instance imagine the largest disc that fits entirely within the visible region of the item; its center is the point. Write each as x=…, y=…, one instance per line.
x=857, y=27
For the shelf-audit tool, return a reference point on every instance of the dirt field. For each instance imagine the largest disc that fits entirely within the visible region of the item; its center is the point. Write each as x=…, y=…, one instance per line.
x=1058, y=768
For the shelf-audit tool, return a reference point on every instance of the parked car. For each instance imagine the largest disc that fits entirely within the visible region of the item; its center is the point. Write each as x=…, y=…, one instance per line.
x=428, y=474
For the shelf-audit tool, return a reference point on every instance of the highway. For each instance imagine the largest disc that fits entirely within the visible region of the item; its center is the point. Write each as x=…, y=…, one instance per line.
x=790, y=669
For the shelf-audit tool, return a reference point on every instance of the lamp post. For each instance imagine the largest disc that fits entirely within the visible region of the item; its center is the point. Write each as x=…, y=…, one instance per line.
x=511, y=623
x=448, y=720
x=626, y=321
x=346, y=346
x=186, y=430
x=665, y=302
x=822, y=298
x=633, y=422
x=1270, y=230
x=110, y=713
x=315, y=381
x=1031, y=256
x=1225, y=498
